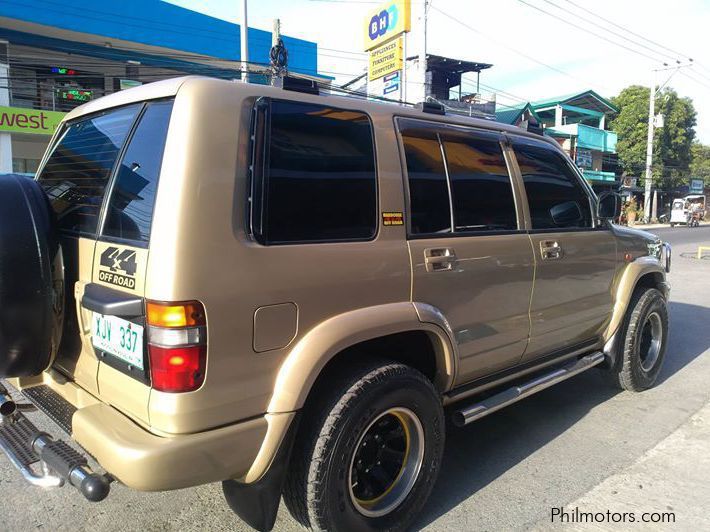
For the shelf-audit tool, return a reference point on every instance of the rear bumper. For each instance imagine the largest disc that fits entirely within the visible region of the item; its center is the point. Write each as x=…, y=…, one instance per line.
x=148, y=462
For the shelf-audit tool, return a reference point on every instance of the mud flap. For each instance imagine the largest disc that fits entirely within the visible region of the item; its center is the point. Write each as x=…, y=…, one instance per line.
x=258, y=503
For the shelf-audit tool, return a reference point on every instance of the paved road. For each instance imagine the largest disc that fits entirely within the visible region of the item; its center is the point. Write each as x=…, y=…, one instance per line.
x=569, y=445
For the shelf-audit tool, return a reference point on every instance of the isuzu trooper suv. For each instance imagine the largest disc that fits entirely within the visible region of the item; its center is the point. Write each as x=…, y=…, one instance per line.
x=286, y=292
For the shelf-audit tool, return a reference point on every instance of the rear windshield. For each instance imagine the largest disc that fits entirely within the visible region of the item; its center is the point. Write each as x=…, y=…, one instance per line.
x=84, y=163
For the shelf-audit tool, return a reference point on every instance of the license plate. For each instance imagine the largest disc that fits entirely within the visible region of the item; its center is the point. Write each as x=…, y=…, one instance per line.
x=118, y=337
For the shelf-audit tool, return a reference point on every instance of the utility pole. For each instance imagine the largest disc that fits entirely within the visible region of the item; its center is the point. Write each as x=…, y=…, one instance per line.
x=5, y=139
x=649, y=149
x=422, y=62
x=276, y=33
x=244, y=52
x=647, y=205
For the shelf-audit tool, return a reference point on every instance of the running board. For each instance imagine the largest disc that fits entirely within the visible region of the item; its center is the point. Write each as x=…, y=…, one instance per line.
x=516, y=393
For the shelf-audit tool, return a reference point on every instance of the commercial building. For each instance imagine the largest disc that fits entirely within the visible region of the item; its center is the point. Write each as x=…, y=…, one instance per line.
x=578, y=122
x=57, y=55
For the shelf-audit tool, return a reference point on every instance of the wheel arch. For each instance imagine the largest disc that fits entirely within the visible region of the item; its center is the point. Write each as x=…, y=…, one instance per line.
x=395, y=331
x=644, y=272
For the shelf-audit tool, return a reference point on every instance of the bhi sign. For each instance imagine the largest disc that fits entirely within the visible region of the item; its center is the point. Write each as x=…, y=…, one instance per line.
x=389, y=20
x=33, y=121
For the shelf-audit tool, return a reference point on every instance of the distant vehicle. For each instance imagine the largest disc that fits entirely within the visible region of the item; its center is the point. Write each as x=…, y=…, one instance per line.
x=683, y=208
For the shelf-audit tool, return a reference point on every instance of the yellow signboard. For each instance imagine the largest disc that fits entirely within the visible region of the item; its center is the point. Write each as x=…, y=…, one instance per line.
x=386, y=59
x=389, y=20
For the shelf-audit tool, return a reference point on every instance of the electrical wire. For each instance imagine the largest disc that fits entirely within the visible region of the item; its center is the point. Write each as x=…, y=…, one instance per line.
x=615, y=33
x=522, y=54
x=676, y=53
x=586, y=30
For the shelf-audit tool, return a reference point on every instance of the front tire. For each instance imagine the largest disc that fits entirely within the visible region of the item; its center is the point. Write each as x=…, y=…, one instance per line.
x=369, y=452
x=642, y=341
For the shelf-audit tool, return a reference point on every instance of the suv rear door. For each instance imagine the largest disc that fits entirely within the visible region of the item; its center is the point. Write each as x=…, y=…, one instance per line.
x=101, y=177
x=575, y=257
x=471, y=257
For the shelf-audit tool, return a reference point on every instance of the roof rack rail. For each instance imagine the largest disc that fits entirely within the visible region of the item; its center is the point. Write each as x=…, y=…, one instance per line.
x=434, y=108
x=307, y=86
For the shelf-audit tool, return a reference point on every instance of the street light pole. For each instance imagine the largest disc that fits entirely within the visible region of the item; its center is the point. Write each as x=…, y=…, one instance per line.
x=244, y=52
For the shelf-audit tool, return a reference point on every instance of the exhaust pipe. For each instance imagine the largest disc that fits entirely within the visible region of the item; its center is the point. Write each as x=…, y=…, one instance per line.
x=8, y=408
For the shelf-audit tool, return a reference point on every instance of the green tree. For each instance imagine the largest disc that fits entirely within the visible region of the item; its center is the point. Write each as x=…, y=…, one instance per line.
x=672, y=143
x=700, y=164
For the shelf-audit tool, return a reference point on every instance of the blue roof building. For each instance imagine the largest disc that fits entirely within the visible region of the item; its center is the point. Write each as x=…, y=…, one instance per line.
x=56, y=55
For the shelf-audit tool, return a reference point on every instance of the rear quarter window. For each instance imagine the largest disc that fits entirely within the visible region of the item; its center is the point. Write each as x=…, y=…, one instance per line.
x=80, y=164
x=119, y=153
x=130, y=208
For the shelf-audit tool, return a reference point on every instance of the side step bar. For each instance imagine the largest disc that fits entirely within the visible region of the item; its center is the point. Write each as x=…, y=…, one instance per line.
x=516, y=393
x=24, y=444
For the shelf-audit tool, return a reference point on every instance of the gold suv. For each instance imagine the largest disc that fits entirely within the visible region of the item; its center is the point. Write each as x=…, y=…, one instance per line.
x=285, y=291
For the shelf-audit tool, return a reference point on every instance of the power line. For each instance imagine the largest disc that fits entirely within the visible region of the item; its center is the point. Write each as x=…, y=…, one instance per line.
x=626, y=29
x=523, y=54
x=695, y=80
x=582, y=28
x=617, y=34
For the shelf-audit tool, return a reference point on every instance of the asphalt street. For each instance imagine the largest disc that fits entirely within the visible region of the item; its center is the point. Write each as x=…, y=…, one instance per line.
x=581, y=443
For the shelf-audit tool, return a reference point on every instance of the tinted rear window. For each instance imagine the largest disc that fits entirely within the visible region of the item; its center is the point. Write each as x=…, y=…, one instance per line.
x=430, y=210
x=319, y=180
x=83, y=162
x=130, y=209
x=480, y=186
x=80, y=165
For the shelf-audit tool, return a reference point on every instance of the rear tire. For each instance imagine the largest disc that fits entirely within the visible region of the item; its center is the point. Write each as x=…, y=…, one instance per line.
x=642, y=341
x=336, y=482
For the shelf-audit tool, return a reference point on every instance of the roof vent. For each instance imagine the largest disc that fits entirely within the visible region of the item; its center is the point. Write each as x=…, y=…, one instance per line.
x=308, y=86
x=434, y=108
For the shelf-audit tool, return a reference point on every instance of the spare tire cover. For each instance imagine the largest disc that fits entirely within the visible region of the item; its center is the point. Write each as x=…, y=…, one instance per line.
x=31, y=279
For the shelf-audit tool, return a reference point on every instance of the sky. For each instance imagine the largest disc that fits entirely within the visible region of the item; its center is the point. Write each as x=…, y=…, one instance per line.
x=535, y=55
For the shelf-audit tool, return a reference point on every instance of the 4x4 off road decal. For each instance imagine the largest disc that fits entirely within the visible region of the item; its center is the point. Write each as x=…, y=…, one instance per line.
x=118, y=266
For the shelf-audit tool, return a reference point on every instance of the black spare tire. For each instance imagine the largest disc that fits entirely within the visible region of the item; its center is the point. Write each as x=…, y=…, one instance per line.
x=31, y=279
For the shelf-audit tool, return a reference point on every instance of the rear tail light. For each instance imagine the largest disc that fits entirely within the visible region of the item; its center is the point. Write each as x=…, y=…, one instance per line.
x=177, y=345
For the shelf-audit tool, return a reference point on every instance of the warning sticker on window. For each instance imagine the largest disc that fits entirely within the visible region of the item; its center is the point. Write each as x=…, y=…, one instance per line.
x=392, y=218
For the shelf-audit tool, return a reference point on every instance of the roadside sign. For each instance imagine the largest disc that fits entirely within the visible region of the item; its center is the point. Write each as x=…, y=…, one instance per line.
x=389, y=86
x=389, y=20
x=584, y=158
x=20, y=120
x=385, y=60
x=697, y=186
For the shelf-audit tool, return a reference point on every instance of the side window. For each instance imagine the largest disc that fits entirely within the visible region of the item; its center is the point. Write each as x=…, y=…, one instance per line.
x=480, y=185
x=555, y=196
x=319, y=179
x=130, y=209
x=428, y=189
x=80, y=164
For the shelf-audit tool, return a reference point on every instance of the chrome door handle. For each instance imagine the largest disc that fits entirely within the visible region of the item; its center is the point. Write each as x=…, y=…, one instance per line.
x=439, y=259
x=550, y=250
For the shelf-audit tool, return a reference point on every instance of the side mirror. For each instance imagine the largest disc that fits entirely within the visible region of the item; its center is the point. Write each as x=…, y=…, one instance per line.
x=608, y=206
x=566, y=214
